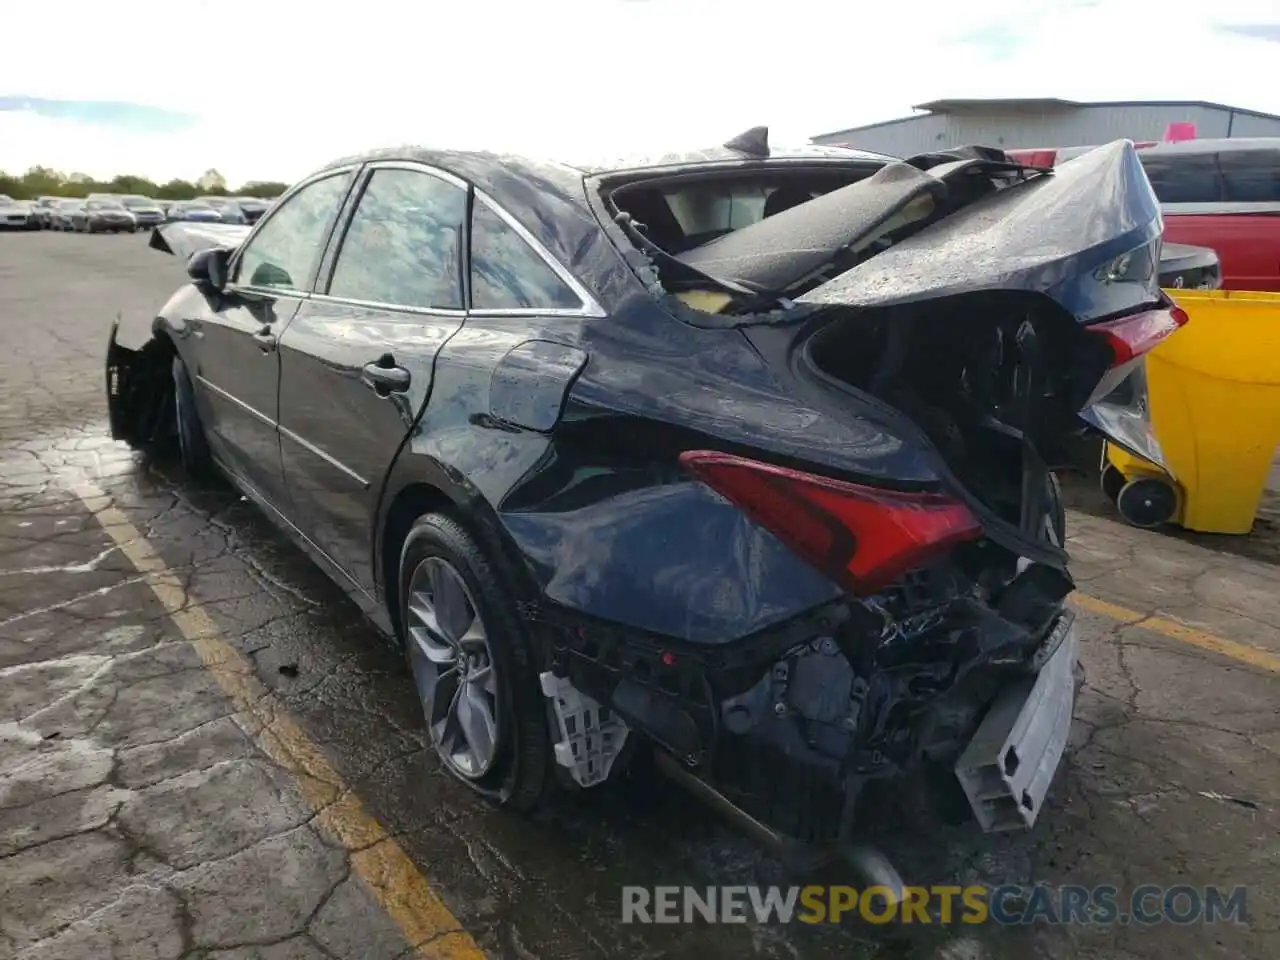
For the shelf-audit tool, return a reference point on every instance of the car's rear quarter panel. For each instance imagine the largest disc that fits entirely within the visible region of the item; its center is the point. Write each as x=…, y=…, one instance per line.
x=593, y=503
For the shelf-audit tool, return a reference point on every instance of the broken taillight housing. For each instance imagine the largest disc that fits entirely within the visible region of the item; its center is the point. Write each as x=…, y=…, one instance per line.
x=1120, y=405
x=1138, y=333
x=863, y=538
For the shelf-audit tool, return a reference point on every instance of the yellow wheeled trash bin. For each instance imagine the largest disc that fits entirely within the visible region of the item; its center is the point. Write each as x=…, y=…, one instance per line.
x=1214, y=392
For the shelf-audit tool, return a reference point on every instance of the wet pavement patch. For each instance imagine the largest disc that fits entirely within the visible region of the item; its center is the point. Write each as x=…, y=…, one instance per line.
x=131, y=785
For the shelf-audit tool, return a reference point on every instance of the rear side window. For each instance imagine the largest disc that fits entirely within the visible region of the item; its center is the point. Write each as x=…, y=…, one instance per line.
x=1250, y=176
x=1184, y=178
x=507, y=273
x=402, y=247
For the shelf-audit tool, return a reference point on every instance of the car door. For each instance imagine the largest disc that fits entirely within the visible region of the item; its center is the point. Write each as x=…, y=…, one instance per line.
x=356, y=361
x=237, y=372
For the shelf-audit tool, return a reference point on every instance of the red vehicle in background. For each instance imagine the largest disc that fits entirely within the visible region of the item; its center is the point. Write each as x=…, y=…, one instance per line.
x=1052, y=156
x=1220, y=194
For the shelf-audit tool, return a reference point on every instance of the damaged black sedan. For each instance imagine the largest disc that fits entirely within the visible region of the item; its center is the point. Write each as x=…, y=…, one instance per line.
x=739, y=460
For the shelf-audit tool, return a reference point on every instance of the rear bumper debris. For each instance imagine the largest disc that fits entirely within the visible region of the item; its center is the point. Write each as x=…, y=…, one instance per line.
x=1009, y=764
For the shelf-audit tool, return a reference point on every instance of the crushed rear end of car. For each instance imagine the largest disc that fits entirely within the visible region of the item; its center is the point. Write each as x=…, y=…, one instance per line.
x=984, y=314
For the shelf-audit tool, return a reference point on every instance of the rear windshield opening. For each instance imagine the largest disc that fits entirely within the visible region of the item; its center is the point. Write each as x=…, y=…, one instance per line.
x=682, y=214
x=747, y=242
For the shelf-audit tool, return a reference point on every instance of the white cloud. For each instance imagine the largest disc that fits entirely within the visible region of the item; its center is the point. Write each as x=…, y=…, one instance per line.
x=283, y=86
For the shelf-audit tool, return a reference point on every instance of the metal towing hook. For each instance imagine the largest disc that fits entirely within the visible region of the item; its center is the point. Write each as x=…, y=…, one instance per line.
x=870, y=865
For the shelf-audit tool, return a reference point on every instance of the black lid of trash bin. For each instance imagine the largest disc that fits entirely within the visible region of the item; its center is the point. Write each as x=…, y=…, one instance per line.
x=1193, y=268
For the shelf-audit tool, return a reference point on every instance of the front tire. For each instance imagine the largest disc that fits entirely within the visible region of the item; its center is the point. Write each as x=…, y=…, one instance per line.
x=1057, y=520
x=193, y=447
x=473, y=665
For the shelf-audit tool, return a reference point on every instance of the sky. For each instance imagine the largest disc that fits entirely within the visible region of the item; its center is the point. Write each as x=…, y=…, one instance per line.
x=271, y=89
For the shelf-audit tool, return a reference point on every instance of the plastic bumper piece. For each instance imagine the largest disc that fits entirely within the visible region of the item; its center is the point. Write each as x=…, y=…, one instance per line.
x=1009, y=764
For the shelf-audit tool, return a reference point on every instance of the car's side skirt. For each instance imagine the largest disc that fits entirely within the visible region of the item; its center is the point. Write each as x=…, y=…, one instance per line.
x=369, y=605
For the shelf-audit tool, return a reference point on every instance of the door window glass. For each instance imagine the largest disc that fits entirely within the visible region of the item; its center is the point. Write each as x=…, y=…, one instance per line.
x=402, y=245
x=285, y=251
x=1184, y=178
x=506, y=273
x=1251, y=176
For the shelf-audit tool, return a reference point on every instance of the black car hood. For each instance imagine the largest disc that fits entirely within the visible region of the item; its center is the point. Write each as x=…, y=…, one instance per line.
x=1049, y=234
x=190, y=236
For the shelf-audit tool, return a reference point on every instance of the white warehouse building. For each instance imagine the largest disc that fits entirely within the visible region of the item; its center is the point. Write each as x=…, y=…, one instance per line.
x=1048, y=122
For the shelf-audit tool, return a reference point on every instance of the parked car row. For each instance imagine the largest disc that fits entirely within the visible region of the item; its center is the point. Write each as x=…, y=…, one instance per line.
x=91, y=215
x=17, y=214
x=105, y=212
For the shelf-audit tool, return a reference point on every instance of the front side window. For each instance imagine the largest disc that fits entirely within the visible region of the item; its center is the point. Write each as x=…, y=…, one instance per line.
x=1251, y=176
x=1184, y=178
x=402, y=246
x=285, y=251
x=507, y=273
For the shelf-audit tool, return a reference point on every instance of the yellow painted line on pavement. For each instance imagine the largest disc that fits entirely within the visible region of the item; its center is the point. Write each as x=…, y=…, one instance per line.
x=1243, y=652
x=376, y=857
x=387, y=871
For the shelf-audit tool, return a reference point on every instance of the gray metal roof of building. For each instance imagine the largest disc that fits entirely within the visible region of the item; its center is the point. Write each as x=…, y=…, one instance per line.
x=963, y=105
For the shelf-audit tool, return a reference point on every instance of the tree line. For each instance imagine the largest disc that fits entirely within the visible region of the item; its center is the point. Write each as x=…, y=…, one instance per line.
x=45, y=182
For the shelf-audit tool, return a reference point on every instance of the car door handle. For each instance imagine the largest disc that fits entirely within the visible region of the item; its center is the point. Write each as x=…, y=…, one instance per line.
x=385, y=378
x=265, y=339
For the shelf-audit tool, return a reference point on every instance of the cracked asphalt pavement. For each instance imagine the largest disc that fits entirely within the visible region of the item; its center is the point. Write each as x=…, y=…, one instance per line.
x=205, y=752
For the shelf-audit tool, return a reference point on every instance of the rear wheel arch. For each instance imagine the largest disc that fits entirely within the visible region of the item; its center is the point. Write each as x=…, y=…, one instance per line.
x=409, y=504
x=420, y=495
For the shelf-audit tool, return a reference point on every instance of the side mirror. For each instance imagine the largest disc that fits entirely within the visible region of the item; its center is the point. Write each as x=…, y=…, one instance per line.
x=209, y=267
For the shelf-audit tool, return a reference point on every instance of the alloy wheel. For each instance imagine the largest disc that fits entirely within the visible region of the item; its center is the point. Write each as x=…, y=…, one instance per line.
x=453, y=668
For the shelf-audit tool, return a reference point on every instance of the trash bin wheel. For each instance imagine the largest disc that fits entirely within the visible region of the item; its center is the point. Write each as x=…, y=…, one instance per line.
x=1147, y=502
x=1113, y=482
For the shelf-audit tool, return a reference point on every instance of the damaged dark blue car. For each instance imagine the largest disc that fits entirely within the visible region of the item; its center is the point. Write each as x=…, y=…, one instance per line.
x=737, y=463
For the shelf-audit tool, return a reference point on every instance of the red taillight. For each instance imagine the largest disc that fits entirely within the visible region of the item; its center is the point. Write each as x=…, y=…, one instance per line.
x=864, y=538
x=1132, y=336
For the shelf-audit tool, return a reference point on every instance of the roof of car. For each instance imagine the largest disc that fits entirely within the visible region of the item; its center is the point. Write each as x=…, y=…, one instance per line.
x=722, y=155
x=479, y=163
x=548, y=196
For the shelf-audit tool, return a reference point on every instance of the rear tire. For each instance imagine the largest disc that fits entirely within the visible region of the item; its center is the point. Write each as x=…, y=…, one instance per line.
x=193, y=447
x=439, y=557
x=1057, y=512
